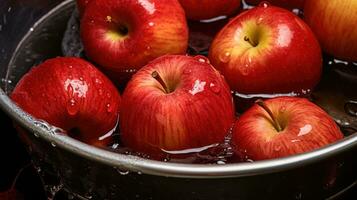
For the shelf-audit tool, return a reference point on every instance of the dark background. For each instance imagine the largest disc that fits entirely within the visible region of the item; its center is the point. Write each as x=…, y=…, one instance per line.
x=14, y=157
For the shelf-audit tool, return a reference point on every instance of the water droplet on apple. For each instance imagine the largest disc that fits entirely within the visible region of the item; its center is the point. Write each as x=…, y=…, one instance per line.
x=110, y=108
x=264, y=4
x=109, y=19
x=202, y=59
x=70, y=66
x=225, y=57
x=97, y=81
x=260, y=19
x=294, y=141
x=109, y=95
x=187, y=71
x=81, y=78
x=72, y=107
x=148, y=47
x=277, y=147
x=214, y=87
x=151, y=23
x=100, y=91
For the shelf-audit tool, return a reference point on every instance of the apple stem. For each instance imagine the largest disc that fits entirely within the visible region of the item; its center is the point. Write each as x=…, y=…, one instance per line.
x=247, y=39
x=276, y=124
x=157, y=76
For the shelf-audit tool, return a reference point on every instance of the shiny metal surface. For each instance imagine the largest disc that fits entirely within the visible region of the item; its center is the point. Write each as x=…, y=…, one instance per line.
x=304, y=176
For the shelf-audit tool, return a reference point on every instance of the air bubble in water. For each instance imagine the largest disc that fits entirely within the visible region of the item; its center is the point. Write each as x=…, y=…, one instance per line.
x=123, y=172
x=221, y=162
x=115, y=145
x=43, y=124
x=53, y=144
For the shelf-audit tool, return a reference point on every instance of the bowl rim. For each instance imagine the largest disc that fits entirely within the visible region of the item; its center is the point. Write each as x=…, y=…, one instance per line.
x=167, y=169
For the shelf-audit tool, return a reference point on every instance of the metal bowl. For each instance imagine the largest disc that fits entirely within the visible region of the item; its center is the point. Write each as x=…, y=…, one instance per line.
x=87, y=172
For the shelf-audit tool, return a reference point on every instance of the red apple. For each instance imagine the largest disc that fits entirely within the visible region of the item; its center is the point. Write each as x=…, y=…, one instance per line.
x=123, y=35
x=283, y=3
x=334, y=23
x=72, y=94
x=81, y=5
x=175, y=103
x=281, y=127
x=267, y=50
x=199, y=10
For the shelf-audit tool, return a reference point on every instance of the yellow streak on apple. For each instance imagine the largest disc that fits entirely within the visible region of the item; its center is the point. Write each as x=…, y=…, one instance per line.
x=260, y=35
x=261, y=40
x=166, y=36
x=114, y=36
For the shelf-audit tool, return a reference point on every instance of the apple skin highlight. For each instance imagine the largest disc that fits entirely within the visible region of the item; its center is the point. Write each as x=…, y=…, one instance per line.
x=72, y=94
x=197, y=111
x=267, y=50
x=305, y=127
x=122, y=35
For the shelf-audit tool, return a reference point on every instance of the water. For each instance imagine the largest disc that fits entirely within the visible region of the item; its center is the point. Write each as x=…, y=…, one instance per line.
x=336, y=92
